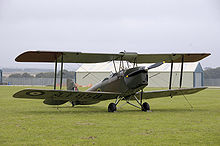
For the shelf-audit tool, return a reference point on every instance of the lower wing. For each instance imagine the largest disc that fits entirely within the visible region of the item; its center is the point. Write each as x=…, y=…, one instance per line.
x=171, y=92
x=57, y=97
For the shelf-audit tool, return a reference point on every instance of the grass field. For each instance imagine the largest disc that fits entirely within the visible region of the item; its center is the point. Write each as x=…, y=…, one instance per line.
x=171, y=122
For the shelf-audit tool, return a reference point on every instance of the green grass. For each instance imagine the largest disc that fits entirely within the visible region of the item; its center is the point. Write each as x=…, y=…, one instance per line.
x=171, y=122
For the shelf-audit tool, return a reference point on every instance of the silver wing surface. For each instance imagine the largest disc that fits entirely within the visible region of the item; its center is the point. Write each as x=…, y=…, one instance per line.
x=79, y=57
x=65, y=95
x=167, y=93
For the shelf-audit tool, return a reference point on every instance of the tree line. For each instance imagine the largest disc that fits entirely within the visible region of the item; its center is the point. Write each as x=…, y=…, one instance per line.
x=209, y=73
x=212, y=73
x=66, y=74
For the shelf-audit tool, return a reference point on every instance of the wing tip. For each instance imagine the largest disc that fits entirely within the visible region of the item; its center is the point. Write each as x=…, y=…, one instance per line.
x=16, y=95
x=38, y=56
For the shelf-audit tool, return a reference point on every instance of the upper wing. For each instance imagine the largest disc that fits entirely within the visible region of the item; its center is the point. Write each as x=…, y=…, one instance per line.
x=65, y=95
x=172, y=92
x=79, y=57
x=68, y=57
x=176, y=58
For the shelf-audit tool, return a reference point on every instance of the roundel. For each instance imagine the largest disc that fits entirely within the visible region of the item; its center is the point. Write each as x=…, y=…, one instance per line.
x=99, y=89
x=35, y=93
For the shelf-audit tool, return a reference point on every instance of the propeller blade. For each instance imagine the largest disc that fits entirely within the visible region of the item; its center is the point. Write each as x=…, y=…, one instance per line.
x=142, y=70
x=156, y=65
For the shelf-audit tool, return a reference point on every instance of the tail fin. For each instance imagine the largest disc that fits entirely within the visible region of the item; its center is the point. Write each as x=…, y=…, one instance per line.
x=71, y=85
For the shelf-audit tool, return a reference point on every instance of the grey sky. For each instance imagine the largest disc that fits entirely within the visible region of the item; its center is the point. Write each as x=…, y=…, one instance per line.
x=144, y=26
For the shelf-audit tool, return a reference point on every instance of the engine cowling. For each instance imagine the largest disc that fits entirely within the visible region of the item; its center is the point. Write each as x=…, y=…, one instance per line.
x=136, y=77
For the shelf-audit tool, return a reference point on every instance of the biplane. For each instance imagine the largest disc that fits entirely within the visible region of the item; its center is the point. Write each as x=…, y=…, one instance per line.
x=125, y=84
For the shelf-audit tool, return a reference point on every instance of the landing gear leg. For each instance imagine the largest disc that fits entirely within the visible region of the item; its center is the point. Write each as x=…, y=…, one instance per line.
x=145, y=106
x=72, y=103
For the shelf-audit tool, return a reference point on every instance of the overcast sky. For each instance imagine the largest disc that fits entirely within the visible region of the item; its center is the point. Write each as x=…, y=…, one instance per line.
x=111, y=26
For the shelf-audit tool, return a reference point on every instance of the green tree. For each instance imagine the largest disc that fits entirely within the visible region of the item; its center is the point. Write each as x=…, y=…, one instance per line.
x=212, y=73
x=66, y=74
x=16, y=75
x=26, y=75
x=45, y=75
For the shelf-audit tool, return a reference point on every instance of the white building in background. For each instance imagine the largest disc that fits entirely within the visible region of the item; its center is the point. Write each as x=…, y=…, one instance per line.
x=158, y=77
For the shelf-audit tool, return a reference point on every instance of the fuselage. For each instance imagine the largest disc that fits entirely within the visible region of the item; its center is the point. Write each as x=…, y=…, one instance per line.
x=120, y=82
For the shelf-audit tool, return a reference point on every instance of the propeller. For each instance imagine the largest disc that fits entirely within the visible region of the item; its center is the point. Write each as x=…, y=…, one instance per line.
x=156, y=65
x=143, y=70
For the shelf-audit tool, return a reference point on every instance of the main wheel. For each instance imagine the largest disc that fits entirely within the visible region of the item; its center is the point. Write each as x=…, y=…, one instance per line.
x=145, y=107
x=111, y=107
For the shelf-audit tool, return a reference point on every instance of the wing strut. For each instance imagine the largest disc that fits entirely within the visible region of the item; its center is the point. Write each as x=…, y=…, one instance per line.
x=61, y=73
x=114, y=66
x=55, y=74
x=141, y=96
x=181, y=74
x=171, y=75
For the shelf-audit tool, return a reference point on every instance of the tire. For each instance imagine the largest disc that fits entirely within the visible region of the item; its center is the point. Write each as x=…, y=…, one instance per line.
x=112, y=107
x=145, y=107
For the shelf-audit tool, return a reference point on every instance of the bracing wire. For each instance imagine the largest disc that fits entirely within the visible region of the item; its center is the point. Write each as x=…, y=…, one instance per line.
x=175, y=77
x=97, y=79
x=89, y=73
x=187, y=100
x=154, y=75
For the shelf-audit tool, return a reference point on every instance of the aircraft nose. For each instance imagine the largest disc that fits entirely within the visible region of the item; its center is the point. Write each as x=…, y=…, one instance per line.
x=137, y=79
x=142, y=70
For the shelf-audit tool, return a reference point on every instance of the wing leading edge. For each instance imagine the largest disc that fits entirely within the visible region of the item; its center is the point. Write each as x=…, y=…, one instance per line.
x=79, y=57
x=58, y=97
x=65, y=95
x=172, y=92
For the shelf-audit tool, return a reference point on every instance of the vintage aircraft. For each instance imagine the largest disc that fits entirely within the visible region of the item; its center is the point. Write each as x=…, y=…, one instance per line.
x=125, y=84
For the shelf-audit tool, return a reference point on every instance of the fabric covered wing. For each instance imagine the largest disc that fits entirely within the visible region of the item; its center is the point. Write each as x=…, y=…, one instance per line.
x=68, y=57
x=65, y=95
x=172, y=92
x=177, y=58
x=79, y=57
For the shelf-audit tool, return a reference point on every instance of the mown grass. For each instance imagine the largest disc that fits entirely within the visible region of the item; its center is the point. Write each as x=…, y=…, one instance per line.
x=171, y=122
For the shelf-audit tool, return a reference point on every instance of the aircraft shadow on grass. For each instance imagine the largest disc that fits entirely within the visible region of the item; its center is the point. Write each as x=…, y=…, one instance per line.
x=178, y=110
x=97, y=110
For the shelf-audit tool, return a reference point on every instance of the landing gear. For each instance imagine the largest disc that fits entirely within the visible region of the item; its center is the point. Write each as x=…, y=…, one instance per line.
x=145, y=107
x=112, y=107
x=73, y=104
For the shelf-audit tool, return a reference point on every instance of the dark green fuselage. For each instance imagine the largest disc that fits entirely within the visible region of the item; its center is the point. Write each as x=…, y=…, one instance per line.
x=122, y=83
